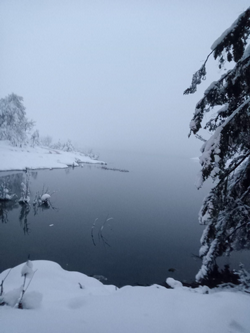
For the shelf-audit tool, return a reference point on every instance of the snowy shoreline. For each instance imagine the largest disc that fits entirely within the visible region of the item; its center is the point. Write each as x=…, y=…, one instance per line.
x=61, y=301
x=22, y=158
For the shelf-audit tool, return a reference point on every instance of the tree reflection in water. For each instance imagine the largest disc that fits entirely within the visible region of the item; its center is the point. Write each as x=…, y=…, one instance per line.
x=23, y=217
x=14, y=183
x=5, y=208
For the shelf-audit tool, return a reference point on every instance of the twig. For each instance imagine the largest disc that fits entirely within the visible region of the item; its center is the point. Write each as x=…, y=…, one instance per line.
x=92, y=231
x=100, y=235
x=20, y=306
x=1, y=292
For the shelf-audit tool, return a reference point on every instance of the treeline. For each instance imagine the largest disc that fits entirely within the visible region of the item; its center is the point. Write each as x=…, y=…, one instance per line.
x=14, y=125
x=19, y=130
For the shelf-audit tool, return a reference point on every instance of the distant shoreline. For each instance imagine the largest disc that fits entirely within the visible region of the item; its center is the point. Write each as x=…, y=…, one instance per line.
x=38, y=158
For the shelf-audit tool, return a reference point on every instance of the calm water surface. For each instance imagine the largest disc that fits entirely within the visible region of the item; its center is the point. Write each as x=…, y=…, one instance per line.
x=130, y=227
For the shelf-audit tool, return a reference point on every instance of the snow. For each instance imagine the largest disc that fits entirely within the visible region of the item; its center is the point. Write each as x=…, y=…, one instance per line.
x=174, y=283
x=57, y=304
x=192, y=125
x=26, y=157
x=27, y=269
x=212, y=146
x=226, y=32
x=246, y=53
x=210, y=87
x=223, y=35
x=12, y=296
x=45, y=197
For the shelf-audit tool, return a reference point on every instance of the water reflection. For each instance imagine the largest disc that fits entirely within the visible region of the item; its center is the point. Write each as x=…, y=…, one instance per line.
x=23, y=217
x=39, y=207
x=15, y=193
x=100, y=232
x=12, y=182
x=5, y=208
x=34, y=174
x=9, y=186
x=155, y=208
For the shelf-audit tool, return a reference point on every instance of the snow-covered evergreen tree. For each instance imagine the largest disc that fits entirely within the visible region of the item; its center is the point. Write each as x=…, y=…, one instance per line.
x=244, y=279
x=35, y=139
x=226, y=154
x=46, y=141
x=65, y=146
x=14, y=125
x=68, y=146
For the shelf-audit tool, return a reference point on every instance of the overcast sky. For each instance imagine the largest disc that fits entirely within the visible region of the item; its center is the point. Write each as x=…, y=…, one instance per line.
x=111, y=74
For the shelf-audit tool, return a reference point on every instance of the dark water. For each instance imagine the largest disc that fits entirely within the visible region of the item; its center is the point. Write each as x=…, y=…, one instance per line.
x=130, y=227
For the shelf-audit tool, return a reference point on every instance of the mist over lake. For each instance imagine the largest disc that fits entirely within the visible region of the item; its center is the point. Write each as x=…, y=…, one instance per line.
x=135, y=227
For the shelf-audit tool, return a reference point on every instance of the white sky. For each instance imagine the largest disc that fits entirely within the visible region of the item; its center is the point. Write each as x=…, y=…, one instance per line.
x=111, y=74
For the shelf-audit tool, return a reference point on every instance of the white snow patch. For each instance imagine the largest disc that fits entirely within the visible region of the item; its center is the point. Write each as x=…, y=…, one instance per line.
x=20, y=158
x=45, y=197
x=226, y=32
x=174, y=283
x=210, y=87
x=11, y=297
x=65, y=307
x=246, y=53
x=27, y=269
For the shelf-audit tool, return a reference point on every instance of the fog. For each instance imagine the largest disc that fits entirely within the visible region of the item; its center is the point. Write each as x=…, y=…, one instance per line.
x=111, y=74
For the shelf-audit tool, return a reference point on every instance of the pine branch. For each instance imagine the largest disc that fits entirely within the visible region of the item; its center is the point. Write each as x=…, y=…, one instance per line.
x=197, y=77
x=232, y=170
x=237, y=228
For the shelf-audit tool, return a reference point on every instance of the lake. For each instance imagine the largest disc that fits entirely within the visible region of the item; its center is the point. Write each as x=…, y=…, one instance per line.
x=135, y=227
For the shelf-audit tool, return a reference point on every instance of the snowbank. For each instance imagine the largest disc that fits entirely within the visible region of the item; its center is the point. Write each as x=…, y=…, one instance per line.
x=98, y=308
x=20, y=158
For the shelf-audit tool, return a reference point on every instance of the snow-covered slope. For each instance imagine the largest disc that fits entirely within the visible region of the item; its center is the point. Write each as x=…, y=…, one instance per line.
x=66, y=308
x=20, y=158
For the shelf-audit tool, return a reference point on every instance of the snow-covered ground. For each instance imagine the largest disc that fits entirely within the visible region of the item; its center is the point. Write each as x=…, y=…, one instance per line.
x=20, y=158
x=58, y=304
